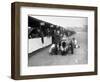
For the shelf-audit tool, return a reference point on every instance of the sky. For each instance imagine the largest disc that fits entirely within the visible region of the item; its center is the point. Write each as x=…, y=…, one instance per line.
x=64, y=21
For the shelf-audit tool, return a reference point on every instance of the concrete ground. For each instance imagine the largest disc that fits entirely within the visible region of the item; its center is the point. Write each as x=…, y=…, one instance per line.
x=80, y=56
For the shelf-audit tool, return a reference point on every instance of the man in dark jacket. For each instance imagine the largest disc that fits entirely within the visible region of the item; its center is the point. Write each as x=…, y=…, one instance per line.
x=57, y=40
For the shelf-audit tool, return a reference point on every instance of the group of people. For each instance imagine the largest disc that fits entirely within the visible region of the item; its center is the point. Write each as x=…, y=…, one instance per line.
x=62, y=44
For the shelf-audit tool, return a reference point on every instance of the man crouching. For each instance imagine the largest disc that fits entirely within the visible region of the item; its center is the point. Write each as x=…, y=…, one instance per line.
x=53, y=49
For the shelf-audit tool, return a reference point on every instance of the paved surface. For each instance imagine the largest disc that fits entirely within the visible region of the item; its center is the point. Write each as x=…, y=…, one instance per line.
x=80, y=55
